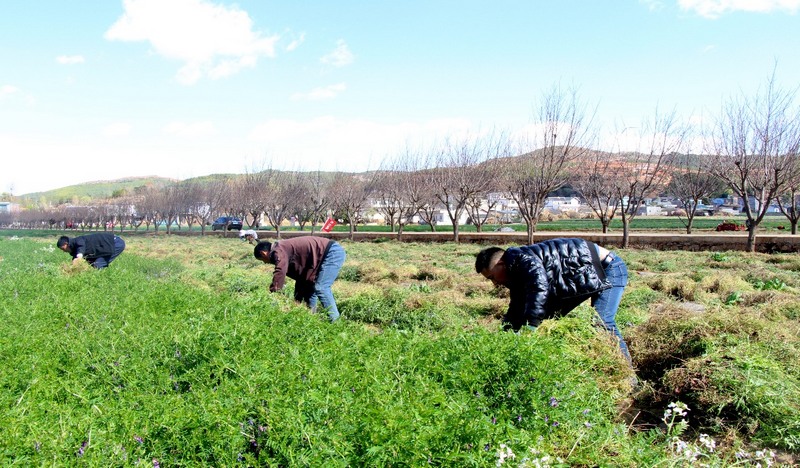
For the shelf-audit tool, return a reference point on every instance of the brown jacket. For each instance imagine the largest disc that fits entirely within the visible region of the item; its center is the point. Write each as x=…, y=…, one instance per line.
x=298, y=258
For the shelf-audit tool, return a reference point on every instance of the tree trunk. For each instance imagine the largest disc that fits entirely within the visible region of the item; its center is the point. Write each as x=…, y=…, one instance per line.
x=751, y=238
x=626, y=237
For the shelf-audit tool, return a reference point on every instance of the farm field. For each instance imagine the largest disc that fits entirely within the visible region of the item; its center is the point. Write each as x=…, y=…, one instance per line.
x=177, y=355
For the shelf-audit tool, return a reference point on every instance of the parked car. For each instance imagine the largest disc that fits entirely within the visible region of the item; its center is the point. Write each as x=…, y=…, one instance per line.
x=229, y=221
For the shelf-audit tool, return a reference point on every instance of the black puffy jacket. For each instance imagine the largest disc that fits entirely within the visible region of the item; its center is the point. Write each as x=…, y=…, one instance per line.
x=550, y=278
x=92, y=246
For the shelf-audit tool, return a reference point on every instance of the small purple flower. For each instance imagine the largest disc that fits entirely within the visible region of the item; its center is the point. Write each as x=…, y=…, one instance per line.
x=37, y=446
x=555, y=423
x=586, y=411
x=138, y=439
x=251, y=422
x=177, y=353
x=494, y=420
x=519, y=418
x=253, y=444
x=262, y=428
x=240, y=458
x=156, y=464
x=587, y=424
x=553, y=401
x=83, y=448
x=546, y=418
x=352, y=390
x=486, y=447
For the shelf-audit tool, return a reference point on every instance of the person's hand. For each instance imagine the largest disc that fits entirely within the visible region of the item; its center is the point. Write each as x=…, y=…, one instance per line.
x=76, y=261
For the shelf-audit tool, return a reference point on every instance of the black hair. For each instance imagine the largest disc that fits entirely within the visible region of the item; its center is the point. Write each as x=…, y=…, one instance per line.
x=61, y=241
x=262, y=247
x=484, y=257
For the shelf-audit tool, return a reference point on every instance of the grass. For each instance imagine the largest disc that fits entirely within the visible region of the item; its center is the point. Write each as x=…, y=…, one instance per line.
x=177, y=354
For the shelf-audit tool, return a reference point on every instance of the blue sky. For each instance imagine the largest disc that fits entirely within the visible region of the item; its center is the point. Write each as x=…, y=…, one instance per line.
x=103, y=89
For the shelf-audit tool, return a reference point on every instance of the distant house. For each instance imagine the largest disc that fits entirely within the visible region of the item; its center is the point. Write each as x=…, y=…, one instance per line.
x=773, y=208
x=562, y=204
x=8, y=207
x=650, y=210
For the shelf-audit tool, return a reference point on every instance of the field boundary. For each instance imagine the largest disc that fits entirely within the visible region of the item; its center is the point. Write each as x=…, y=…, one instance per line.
x=768, y=243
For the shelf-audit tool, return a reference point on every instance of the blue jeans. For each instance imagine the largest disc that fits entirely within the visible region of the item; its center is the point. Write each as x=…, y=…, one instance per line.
x=607, y=302
x=328, y=271
x=102, y=262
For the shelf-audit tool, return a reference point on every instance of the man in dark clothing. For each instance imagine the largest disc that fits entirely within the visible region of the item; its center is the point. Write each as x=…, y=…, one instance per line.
x=550, y=278
x=98, y=249
x=313, y=262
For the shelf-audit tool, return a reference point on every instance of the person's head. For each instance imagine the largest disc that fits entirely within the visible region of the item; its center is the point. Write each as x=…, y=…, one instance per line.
x=489, y=263
x=262, y=251
x=63, y=243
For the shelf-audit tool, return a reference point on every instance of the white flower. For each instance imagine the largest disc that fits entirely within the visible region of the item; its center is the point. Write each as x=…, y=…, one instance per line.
x=707, y=442
x=504, y=452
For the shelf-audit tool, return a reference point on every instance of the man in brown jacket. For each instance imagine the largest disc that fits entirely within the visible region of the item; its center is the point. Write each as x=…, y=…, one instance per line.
x=312, y=262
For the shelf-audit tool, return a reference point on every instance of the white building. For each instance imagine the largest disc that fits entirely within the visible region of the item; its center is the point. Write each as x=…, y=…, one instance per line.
x=562, y=204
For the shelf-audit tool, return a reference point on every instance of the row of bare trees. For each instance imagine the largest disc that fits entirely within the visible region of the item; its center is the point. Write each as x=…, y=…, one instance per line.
x=750, y=150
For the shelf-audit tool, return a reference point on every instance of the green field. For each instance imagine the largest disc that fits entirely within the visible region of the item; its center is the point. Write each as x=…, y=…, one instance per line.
x=177, y=355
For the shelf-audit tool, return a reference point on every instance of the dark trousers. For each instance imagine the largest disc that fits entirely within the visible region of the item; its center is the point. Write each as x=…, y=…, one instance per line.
x=102, y=262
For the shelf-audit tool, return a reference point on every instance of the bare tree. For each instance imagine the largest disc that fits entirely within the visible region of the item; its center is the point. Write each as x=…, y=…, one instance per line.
x=596, y=183
x=789, y=199
x=147, y=206
x=562, y=136
x=177, y=200
x=643, y=174
x=481, y=204
x=464, y=170
x=754, y=143
x=691, y=183
x=348, y=195
x=313, y=199
x=385, y=189
x=253, y=190
x=207, y=197
x=283, y=194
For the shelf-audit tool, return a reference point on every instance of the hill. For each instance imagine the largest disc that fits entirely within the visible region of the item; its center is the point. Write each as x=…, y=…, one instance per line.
x=98, y=189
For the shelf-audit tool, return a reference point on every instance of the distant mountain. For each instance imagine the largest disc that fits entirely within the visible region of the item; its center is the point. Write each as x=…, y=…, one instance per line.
x=98, y=189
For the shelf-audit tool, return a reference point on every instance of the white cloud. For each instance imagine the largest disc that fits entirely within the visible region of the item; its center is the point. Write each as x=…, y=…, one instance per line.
x=70, y=59
x=211, y=40
x=652, y=5
x=317, y=94
x=709, y=48
x=296, y=42
x=117, y=129
x=340, y=56
x=7, y=90
x=190, y=130
x=716, y=8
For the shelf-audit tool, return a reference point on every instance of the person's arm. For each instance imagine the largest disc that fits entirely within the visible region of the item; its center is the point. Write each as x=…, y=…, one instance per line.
x=529, y=296
x=279, y=274
x=302, y=290
x=80, y=249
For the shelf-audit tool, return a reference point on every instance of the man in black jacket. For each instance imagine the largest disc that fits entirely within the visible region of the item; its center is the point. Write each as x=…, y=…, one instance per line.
x=98, y=249
x=550, y=278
